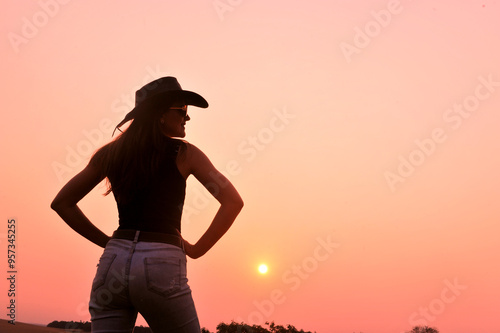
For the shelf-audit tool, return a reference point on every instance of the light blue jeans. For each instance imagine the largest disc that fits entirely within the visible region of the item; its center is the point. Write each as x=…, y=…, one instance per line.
x=147, y=278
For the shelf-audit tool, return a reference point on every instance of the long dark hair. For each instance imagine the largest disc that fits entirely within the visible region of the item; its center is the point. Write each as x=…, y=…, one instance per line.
x=132, y=161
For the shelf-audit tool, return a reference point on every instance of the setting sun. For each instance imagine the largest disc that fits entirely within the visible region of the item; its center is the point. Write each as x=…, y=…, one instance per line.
x=263, y=269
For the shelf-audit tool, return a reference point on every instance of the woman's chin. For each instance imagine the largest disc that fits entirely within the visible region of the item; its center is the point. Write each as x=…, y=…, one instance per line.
x=179, y=134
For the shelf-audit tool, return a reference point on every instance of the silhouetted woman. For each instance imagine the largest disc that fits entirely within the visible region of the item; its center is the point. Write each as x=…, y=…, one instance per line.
x=143, y=267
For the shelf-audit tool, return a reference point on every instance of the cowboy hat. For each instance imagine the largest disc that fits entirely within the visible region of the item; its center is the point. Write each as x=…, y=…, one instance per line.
x=163, y=90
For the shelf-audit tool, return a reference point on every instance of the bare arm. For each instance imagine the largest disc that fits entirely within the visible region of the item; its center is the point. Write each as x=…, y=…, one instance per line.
x=67, y=198
x=222, y=189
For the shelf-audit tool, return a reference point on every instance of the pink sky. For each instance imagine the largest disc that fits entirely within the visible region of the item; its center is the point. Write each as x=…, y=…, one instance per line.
x=362, y=136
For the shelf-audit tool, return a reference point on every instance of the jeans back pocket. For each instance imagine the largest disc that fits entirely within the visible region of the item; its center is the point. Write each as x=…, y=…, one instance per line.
x=102, y=269
x=163, y=275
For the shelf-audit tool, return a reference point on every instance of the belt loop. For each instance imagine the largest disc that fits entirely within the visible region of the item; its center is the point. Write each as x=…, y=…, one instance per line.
x=136, y=238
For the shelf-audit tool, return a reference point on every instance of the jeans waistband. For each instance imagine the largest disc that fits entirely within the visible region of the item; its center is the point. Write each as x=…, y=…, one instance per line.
x=148, y=236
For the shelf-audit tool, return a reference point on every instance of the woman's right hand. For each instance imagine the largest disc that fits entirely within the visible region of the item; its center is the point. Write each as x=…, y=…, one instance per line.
x=189, y=248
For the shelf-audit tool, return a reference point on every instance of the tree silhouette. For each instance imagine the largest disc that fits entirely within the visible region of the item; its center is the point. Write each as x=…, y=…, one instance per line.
x=85, y=326
x=234, y=327
x=423, y=329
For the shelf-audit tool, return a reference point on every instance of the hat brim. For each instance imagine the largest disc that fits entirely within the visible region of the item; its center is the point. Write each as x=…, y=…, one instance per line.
x=174, y=96
x=167, y=97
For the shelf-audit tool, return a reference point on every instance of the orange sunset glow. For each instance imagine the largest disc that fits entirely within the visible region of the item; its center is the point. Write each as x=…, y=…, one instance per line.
x=361, y=135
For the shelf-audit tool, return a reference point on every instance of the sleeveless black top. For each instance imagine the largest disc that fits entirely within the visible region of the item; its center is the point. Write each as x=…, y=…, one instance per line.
x=158, y=207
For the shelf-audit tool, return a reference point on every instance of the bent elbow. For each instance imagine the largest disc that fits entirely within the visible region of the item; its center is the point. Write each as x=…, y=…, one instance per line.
x=241, y=203
x=238, y=203
x=235, y=204
x=54, y=205
x=231, y=199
